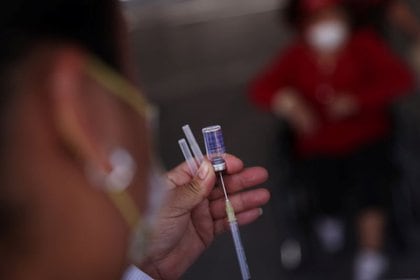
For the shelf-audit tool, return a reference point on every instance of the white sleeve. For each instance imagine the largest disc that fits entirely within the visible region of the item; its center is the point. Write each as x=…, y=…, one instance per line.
x=133, y=273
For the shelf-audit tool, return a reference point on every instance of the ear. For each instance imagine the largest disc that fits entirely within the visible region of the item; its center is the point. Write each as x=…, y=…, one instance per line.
x=71, y=109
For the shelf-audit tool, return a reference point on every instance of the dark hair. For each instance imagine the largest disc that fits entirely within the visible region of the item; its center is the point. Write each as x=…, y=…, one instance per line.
x=90, y=24
x=293, y=14
x=362, y=13
x=368, y=13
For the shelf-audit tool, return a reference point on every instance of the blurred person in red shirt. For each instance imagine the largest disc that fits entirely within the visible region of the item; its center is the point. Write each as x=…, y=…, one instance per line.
x=334, y=85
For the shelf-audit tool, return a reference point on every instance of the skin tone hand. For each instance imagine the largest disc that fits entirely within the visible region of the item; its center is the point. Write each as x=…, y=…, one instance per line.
x=195, y=214
x=342, y=106
x=289, y=105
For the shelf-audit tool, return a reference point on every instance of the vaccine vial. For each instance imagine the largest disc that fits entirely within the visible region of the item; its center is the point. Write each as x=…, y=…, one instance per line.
x=215, y=147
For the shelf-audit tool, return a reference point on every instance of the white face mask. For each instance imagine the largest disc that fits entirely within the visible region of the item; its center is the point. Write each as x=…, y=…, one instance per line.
x=327, y=36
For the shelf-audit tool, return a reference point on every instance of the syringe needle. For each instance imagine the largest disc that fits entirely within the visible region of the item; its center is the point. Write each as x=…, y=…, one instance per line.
x=223, y=185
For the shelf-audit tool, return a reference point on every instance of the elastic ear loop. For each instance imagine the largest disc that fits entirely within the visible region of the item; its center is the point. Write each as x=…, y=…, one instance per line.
x=124, y=91
x=117, y=182
x=126, y=206
x=118, y=86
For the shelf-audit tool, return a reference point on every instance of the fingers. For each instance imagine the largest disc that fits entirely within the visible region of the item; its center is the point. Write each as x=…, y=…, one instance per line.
x=249, y=177
x=187, y=196
x=243, y=218
x=234, y=164
x=178, y=176
x=188, y=191
x=247, y=207
x=181, y=174
x=241, y=202
x=343, y=106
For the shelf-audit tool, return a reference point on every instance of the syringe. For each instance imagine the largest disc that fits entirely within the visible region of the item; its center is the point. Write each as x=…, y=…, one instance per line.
x=215, y=149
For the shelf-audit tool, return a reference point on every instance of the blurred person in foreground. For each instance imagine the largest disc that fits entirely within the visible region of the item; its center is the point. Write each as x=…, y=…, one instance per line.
x=334, y=86
x=80, y=196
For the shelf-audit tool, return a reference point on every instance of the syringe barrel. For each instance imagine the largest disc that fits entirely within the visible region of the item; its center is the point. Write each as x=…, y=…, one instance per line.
x=215, y=147
x=240, y=253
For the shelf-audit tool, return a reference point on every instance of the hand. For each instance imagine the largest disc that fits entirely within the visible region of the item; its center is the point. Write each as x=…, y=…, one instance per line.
x=195, y=214
x=342, y=106
x=289, y=105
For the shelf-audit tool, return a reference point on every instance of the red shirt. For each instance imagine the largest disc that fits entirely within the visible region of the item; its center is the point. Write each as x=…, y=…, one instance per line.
x=365, y=68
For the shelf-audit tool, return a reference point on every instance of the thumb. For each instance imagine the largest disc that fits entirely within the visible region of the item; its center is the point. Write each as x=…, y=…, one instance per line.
x=189, y=195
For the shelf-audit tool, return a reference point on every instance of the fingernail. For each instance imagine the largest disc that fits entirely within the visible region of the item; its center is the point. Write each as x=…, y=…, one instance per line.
x=261, y=211
x=203, y=171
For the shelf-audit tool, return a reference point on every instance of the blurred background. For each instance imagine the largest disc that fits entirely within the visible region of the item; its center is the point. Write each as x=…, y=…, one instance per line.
x=196, y=59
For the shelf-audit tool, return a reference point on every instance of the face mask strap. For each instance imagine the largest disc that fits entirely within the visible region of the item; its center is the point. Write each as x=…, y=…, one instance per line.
x=118, y=86
x=117, y=182
x=123, y=165
x=124, y=91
